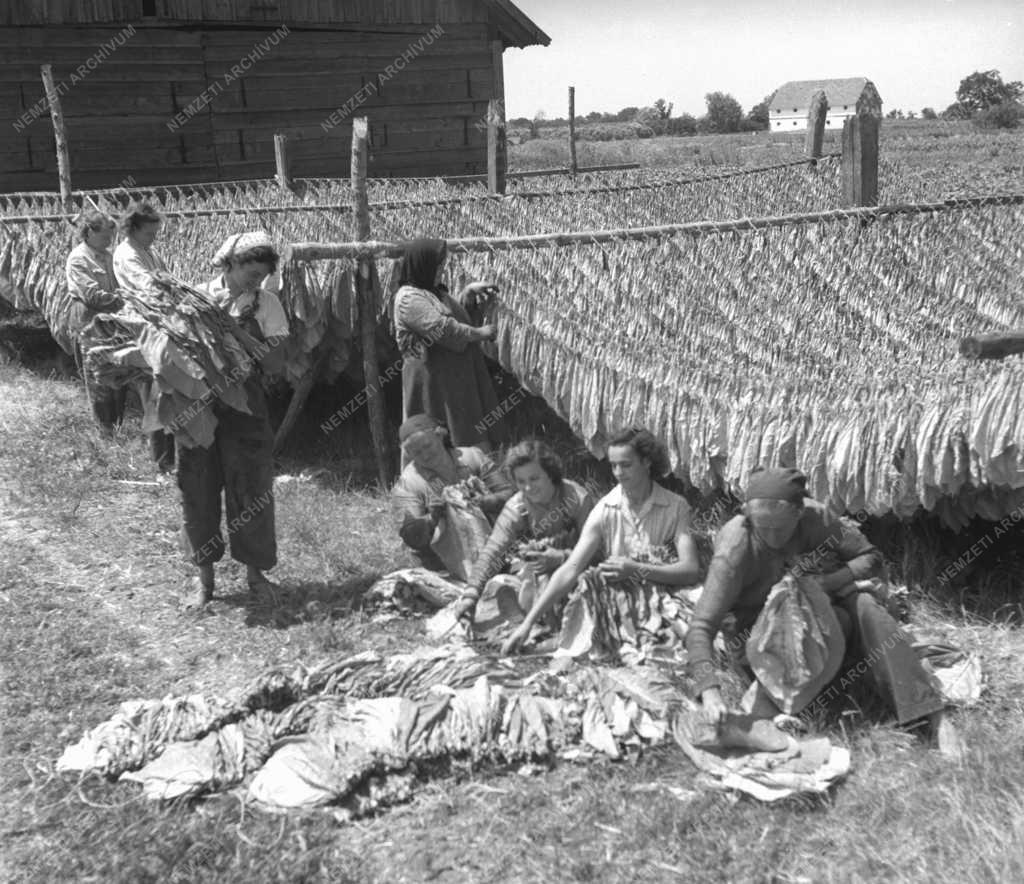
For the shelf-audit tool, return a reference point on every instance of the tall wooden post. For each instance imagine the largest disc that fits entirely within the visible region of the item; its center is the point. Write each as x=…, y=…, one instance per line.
x=365, y=289
x=284, y=176
x=59, y=136
x=860, y=160
x=816, y=117
x=496, y=153
x=572, y=130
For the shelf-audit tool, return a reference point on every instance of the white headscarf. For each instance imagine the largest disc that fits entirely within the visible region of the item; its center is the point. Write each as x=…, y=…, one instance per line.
x=241, y=242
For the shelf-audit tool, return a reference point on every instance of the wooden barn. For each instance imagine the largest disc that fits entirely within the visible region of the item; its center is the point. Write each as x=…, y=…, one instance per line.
x=174, y=91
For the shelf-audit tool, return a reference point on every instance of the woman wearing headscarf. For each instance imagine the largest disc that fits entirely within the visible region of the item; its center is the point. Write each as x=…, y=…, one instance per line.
x=782, y=529
x=435, y=464
x=240, y=462
x=443, y=370
x=93, y=289
x=134, y=264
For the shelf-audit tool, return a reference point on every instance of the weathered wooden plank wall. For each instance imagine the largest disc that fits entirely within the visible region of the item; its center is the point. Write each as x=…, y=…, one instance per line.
x=427, y=118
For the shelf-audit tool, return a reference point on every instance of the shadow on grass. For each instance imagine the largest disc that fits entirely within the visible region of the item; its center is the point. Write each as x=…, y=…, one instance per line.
x=285, y=606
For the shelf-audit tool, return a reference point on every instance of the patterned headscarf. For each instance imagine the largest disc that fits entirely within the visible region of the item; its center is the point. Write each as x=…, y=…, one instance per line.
x=241, y=242
x=418, y=266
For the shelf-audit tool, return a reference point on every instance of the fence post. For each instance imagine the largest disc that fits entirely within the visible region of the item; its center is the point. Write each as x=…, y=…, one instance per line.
x=59, y=136
x=496, y=153
x=573, y=167
x=816, y=117
x=860, y=160
x=366, y=287
x=284, y=177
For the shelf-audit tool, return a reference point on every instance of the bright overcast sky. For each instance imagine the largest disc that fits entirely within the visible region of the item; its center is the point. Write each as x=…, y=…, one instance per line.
x=631, y=52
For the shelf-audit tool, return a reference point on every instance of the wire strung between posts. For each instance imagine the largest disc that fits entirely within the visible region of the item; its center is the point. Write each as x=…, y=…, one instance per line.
x=391, y=205
x=309, y=251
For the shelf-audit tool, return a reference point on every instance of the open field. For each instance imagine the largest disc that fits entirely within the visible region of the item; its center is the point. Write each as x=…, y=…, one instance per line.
x=88, y=619
x=90, y=574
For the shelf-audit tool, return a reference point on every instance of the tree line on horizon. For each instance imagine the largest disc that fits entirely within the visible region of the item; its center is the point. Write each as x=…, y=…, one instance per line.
x=982, y=96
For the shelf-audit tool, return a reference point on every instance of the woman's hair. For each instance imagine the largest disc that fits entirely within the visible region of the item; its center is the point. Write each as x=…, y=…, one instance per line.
x=137, y=215
x=258, y=254
x=534, y=450
x=93, y=221
x=645, y=445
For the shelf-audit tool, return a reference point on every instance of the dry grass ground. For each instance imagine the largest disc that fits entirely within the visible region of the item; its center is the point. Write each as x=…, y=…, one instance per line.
x=89, y=573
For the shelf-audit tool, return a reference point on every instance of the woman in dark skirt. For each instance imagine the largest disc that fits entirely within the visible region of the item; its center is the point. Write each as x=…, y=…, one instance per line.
x=443, y=370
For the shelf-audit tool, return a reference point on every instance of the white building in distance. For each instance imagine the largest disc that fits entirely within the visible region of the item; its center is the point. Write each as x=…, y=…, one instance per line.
x=791, y=102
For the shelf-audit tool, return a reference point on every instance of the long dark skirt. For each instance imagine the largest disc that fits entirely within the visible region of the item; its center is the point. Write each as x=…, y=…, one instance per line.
x=456, y=390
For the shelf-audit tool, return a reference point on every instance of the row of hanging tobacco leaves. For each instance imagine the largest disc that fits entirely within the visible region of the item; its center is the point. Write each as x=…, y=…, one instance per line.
x=829, y=346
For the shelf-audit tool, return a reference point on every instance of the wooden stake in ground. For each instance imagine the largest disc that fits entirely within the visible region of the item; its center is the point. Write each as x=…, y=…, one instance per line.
x=860, y=160
x=365, y=289
x=573, y=168
x=816, y=117
x=495, y=147
x=284, y=176
x=60, y=137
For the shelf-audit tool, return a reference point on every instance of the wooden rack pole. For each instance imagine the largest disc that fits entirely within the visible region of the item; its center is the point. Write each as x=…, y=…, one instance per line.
x=495, y=148
x=860, y=160
x=60, y=137
x=284, y=176
x=573, y=167
x=366, y=288
x=816, y=117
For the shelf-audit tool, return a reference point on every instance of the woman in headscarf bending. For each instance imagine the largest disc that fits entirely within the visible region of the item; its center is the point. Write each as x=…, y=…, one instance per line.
x=443, y=370
x=240, y=463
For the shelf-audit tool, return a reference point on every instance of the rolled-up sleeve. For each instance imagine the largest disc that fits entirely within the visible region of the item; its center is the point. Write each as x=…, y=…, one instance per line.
x=499, y=488
x=722, y=587
x=421, y=315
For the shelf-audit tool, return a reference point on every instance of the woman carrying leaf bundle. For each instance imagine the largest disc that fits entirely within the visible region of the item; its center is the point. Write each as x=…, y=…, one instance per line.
x=639, y=532
x=240, y=462
x=536, y=529
x=134, y=265
x=782, y=530
x=419, y=498
x=443, y=370
x=93, y=290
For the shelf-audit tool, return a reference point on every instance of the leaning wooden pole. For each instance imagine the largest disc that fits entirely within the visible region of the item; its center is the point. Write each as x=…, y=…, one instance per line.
x=367, y=302
x=573, y=167
x=59, y=136
x=997, y=345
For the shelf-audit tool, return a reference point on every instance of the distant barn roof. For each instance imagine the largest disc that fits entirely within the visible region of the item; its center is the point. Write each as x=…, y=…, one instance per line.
x=508, y=21
x=797, y=93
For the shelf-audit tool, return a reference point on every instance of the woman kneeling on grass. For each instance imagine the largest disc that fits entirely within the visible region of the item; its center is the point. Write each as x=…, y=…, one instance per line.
x=641, y=531
x=418, y=496
x=240, y=462
x=537, y=529
x=782, y=529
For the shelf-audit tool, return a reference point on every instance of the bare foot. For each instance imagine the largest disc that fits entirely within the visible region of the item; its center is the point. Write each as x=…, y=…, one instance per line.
x=257, y=580
x=200, y=594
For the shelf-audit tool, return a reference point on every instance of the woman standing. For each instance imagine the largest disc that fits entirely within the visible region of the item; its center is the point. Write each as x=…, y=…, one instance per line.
x=540, y=524
x=93, y=289
x=640, y=531
x=134, y=264
x=240, y=462
x=443, y=370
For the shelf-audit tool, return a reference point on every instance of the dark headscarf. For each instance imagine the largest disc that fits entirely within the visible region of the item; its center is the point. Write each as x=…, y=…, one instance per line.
x=777, y=483
x=418, y=266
